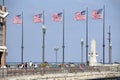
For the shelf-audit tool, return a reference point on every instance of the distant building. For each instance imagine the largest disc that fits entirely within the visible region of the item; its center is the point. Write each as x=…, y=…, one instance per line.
x=3, y=48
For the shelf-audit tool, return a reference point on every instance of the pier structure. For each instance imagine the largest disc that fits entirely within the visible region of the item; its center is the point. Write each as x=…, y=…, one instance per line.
x=3, y=48
x=72, y=73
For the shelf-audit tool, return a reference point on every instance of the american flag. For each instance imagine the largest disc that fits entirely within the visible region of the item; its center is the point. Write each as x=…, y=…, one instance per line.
x=80, y=15
x=37, y=18
x=97, y=14
x=17, y=19
x=57, y=17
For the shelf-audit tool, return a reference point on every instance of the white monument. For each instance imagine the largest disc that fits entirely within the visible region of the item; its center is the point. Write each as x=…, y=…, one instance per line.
x=93, y=54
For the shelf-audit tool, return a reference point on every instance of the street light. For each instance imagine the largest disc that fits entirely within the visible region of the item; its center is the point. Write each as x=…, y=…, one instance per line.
x=43, y=47
x=56, y=49
x=82, y=43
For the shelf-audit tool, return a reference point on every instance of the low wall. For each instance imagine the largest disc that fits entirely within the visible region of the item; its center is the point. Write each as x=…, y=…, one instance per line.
x=67, y=76
x=60, y=73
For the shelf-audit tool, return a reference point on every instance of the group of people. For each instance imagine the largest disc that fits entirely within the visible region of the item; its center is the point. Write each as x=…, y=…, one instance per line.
x=27, y=65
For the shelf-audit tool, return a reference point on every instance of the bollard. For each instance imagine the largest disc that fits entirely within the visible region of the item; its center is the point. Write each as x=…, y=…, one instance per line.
x=5, y=72
x=46, y=78
x=1, y=72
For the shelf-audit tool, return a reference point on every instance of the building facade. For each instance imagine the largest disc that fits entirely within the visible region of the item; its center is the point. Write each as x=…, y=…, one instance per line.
x=3, y=48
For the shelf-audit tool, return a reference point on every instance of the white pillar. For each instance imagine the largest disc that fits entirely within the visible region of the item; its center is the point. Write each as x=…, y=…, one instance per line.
x=93, y=53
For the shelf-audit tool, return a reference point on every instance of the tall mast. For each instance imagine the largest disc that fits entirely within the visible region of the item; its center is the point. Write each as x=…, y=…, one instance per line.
x=3, y=3
x=87, y=36
x=63, y=38
x=110, y=45
x=104, y=34
x=22, y=47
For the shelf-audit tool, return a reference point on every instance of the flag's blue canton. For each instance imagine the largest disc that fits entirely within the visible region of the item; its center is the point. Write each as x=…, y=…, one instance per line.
x=99, y=11
x=83, y=13
x=60, y=14
x=40, y=15
x=19, y=16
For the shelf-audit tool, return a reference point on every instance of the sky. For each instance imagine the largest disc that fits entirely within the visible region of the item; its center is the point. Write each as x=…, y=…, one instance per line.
x=74, y=30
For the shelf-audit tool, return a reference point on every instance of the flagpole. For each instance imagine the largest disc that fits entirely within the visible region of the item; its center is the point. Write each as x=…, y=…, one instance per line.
x=63, y=38
x=22, y=47
x=103, y=34
x=86, y=36
x=43, y=46
x=3, y=2
x=43, y=17
x=43, y=42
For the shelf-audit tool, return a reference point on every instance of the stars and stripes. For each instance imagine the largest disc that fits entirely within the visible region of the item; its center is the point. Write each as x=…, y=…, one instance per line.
x=37, y=18
x=17, y=19
x=97, y=14
x=57, y=17
x=80, y=15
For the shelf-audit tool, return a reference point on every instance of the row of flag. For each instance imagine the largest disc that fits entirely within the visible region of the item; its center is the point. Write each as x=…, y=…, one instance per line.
x=57, y=17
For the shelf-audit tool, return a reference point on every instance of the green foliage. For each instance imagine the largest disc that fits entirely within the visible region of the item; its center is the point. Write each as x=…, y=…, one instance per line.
x=45, y=64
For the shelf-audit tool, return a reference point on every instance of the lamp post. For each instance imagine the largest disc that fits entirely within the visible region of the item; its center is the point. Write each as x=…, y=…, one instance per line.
x=56, y=49
x=110, y=45
x=82, y=43
x=43, y=47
